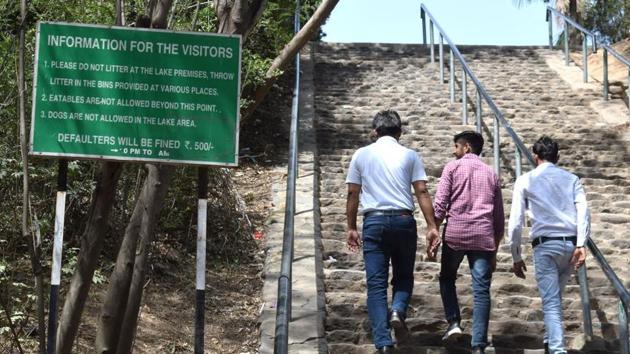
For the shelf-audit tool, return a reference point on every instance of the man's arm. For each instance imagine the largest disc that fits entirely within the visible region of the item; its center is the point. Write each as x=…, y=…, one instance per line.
x=424, y=200
x=515, y=228
x=442, y=195
x=352, y=207
x=583, y=224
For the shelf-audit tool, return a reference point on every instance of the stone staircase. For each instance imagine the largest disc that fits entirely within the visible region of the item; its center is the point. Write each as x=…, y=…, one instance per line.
x=353, y=81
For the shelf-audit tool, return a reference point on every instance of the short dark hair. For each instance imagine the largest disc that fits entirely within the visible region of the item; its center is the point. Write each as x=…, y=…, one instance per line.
x=546, y=148
x=387, y=123
x=474, y=139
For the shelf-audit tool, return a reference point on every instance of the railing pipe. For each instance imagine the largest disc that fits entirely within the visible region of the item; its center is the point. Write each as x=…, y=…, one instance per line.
x=424, y=26
x=605, y=71
x=478, y=112
x=464, y=99
x=481, y=88
x=624, y=346
x=586, y=302
x=284, y=301
x=566, y=42
x=608, y=271
x=441, y=59
x=451, y=82
x=517, y=162
x=585, y=58
x=550, y=21
x=495, y=145
x=432, y=42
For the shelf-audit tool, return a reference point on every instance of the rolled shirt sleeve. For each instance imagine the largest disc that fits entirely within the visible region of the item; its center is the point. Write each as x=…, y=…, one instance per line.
x=583, y=214
x=517, y=219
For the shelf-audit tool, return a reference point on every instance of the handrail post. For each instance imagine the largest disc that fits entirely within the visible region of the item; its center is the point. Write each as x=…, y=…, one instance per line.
x=495, y=147
x=586, y=302
x=441, y=58
x=624, y=346
x=549, y=19
x=566, y=43
x=594, y=44
x=585, y=58
x=451, y=82
x=432, y=41
x=464, y=98
x=605, y=70
x=517, y=162
x=424, y=26
x=478, y=112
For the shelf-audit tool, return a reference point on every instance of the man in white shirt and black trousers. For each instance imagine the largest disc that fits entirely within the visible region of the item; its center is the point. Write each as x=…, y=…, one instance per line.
x=381, y=175
x=555, y=203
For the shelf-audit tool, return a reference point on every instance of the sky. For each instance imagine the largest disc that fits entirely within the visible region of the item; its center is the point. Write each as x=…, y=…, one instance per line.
x=494, y=22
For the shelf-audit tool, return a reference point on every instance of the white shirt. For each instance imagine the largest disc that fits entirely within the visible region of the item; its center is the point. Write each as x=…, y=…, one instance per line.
x=385, y=170
x=555, y=203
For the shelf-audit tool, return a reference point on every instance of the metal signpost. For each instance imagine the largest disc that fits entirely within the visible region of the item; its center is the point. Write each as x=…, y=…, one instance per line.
x=132, y=94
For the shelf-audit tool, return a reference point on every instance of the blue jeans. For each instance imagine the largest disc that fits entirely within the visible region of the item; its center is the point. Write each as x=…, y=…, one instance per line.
x=552, y=265
x=388, y=238
x=481, y=272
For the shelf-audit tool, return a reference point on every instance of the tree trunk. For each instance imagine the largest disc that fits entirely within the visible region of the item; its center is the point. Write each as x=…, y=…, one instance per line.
x=91, y=244
x=288, y=53
x=146, y=208
x=130, y=265
x=34, y=244
x=153, y=194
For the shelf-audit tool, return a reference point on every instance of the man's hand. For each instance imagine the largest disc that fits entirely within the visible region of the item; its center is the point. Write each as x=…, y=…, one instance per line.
x=579, y=255
x=433, y=243
x=519, y=269
x=353, y=241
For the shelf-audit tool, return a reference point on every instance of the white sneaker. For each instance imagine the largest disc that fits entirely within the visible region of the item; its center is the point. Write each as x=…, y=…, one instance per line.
x=452, y=330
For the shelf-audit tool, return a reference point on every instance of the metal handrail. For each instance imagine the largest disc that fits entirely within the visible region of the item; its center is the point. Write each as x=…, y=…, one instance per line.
x=520, y=149
x=596, y=43
x=284, y=301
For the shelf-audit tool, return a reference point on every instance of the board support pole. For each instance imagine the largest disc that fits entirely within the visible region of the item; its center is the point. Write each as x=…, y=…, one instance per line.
x=55, y=276
x=200, y=281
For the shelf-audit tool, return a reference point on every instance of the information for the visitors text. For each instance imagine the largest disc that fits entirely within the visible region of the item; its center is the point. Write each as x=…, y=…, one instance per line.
x=135, y=94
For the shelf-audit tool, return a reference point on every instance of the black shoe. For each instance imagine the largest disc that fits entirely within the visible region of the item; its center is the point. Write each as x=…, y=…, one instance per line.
x=386, y=350
x=546, y=348
x=453, y=330
x=478, y=350
x=397, y=321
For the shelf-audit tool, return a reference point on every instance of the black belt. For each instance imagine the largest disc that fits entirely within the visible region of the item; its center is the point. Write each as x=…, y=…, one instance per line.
x=543, y=239
x=388, y=213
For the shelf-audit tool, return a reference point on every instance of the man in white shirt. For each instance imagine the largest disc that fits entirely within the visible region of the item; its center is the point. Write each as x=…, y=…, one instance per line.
x=382, y=175
x=555, y=203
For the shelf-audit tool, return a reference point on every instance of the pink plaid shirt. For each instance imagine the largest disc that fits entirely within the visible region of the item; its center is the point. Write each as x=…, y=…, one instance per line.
x=469, y=196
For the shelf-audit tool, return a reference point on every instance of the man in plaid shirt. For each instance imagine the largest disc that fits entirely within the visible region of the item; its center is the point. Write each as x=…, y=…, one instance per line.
x=469, y=197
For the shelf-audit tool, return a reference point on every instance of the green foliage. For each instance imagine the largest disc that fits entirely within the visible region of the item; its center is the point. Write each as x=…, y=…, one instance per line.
x=609, y=19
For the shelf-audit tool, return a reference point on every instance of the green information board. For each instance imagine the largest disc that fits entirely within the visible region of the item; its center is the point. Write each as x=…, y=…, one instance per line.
x=119, y=93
